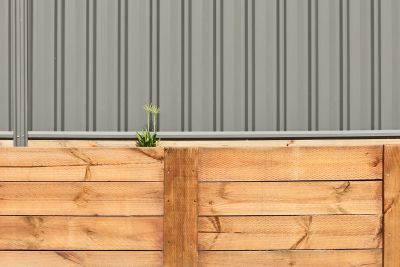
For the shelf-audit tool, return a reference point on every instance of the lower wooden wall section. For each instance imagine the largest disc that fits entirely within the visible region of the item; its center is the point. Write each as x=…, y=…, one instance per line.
x=250, y=206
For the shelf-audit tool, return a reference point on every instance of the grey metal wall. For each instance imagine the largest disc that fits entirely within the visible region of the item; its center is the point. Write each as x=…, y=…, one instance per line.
x=5, y=67
x=210, y=64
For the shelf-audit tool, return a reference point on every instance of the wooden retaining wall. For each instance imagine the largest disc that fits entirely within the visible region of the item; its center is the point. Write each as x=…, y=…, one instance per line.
x=317, y=206
x=200, y=206
x=81, y=207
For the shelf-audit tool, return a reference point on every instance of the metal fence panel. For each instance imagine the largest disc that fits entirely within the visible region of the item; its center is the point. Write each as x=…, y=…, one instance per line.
x=212, y=65
x=390, y=56
x=5, y=61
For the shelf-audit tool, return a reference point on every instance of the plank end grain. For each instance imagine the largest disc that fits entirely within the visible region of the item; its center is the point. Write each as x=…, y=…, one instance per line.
x=180, y=205
x=391, y=206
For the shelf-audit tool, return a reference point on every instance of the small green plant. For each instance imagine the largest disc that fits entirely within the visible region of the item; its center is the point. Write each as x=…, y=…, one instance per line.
x=148, y=137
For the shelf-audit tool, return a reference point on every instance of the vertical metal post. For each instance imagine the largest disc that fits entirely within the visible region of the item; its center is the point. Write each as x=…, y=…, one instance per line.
x=19, y=49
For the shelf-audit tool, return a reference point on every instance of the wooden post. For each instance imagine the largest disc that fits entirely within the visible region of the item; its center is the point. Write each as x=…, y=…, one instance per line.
x=391, y=206
x=180, y=207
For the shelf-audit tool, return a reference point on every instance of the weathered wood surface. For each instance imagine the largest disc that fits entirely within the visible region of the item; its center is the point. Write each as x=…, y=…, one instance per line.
x=81, y=258
x=81, y=164
x=180, y=222
x=81, y=198
x=277, y=164
x=297, y=198
x=80, y=233
x=288, y=258
x=290, y=232
x=392, y=206
x=341, y=217
x=6, y=143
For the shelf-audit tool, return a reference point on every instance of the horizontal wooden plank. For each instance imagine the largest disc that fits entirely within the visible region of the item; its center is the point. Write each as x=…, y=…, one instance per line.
x=38, y=157
x=81, y=143
x=290, y=163
x=81, y=258
x=290, y=232
x=81, y=198
x=80, y=233
x=81, y=164
x=290, y=198
x=320, y=258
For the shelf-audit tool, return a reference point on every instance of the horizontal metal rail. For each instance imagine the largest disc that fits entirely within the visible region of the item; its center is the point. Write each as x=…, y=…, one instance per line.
x=220, y=135
x=40, y=135
x=6, y=135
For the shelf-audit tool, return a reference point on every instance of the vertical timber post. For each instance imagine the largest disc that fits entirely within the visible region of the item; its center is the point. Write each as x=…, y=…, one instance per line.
x=19, y=50
x=391, y=210
x=180, y=207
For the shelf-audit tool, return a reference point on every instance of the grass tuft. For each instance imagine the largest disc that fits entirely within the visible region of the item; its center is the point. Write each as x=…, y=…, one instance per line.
x=148, y=137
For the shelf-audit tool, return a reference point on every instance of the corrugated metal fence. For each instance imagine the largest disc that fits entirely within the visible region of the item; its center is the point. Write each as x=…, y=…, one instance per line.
x=212, y=65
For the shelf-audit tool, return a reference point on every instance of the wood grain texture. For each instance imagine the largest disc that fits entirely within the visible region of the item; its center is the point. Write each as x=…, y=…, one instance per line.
x=80, y=233
x=180, y=221
x=6, y=143
x=81, y=198
x=392, y=206
x=81, y=258
x=81, y=164
x=290, y=198
x=290, y=163
x=290, y=232
x=82, y=143
x=288, y=258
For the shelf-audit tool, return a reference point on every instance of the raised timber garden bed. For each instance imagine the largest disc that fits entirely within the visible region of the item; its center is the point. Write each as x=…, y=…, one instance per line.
x=225, y=203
